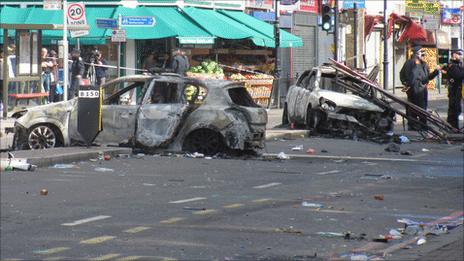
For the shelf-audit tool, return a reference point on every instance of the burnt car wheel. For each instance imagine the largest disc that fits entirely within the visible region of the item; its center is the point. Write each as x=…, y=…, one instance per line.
x=204, y=141
x=42, y=137
x=312, y=119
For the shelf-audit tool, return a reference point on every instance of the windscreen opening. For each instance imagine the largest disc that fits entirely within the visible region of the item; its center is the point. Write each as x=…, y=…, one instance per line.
x=240, y=96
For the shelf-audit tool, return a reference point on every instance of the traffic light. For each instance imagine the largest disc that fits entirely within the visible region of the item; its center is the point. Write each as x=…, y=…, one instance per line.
x=326, y=18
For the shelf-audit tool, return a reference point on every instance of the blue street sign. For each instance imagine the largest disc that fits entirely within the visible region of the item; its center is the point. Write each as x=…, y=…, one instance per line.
x=138, y=21
x=107, y=23
x=348, y=4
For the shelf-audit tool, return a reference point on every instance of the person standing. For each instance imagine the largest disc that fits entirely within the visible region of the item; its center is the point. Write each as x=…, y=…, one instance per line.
x=179, y=62
x=100, y=71
x=47, y=66
x=77, y=70
x=415, y=76
x=455, y=73
x=54, y=86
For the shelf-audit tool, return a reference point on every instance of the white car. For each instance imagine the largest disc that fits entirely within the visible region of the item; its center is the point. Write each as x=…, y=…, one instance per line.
x=322, y=105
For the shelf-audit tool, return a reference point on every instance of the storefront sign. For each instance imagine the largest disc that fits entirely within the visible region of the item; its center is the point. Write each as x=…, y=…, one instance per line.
x=349, y=4
x=414, y=5
x=118, y=36
x=52, y=5
x=289, y=6
x=309, y=6
x=432, y=7
x=76, y=16
x=259, y=4
x=451, y=16
x=264, y=16
x=196, y=40
x=236, y=4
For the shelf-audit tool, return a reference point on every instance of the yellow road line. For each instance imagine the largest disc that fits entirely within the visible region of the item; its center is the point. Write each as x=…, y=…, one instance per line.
x=105, y=257
x=261, y=200
x=96, y=240
x=171, y=220
x=51, y=250
x=205, y=212
x=236, y=205
x=136, y=229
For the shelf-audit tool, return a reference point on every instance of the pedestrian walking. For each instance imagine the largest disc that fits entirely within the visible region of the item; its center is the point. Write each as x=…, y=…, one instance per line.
x=179, y=62
x=455, y=75
x=415, y=76
x=100, y=70
x=77, y=70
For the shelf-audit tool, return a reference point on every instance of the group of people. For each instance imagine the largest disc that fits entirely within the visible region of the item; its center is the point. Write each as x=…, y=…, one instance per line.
x=178, y=63
x=415, y=75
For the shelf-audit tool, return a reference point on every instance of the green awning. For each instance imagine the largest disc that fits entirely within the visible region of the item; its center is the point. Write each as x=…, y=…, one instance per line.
x=37, y=15
x=286, y=39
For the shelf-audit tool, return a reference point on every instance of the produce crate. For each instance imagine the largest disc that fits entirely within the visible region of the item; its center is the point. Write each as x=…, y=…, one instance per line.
x=205, y=75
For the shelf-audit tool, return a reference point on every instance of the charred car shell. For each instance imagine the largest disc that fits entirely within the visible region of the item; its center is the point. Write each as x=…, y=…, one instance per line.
x=317, y=102
x=172, y=113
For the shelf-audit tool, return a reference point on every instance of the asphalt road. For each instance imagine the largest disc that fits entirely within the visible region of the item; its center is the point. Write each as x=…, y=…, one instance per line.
x=163, y=208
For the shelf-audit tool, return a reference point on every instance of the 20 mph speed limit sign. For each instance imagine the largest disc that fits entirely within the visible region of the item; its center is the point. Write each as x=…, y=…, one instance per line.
x=76, y=16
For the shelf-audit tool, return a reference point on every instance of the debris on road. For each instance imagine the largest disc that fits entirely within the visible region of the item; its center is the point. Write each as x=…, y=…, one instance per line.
x=406, y=153
x=425, y=150
x=331, y=234
x=107, y=157
x=404, y=139
x=289, y=230
x=311, y=151
x=195, y=155
x=392, y=147
x=124, y=155
x=379, y=197
x=283, y=156
x=44, y=192
x=421, y=241
x=297, y=148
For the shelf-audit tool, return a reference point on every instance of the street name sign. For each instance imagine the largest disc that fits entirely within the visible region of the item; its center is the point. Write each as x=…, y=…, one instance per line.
x=76, y=16
x=107, y=23
x=118, y=36
x=52, y=4
x=138, y=21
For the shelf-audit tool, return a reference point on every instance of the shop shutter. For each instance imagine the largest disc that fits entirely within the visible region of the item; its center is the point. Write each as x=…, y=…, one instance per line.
x=304, y=58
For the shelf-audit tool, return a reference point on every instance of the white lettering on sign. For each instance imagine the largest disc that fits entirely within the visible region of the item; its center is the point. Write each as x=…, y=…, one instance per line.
x=89, y=94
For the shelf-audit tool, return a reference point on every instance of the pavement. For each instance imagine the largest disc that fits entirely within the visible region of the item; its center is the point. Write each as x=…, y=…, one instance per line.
x=275, y=132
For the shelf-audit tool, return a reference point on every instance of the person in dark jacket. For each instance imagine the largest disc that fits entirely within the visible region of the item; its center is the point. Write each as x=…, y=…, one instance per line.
x=100, y=71
x=415, y=75
x=455, y=75
x=77, y=70
x=179, y=62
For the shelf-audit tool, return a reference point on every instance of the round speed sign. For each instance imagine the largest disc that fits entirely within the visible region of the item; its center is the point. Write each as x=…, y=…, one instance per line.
x=75, y=11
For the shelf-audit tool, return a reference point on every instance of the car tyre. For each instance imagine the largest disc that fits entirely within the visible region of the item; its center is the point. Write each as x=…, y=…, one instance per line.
x=206, y=141
x=42, y=136
x=312, y=119
x=285, y=119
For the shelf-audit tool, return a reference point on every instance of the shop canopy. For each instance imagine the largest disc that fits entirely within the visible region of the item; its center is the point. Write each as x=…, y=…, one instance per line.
x=236, y=25
x=34, y=15
x=286, y=39
x=168, y=23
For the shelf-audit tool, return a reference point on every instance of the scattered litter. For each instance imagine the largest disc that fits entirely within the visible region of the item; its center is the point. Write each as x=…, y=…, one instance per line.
x=208, y=158
x=339, y=161
x=44, y=192
x=12, y=163
x=107, y=157
x=195, y=155
x=379, y=197
x=124, y=155
x=395, y=234
x=406, y=153
x=283, y=156
x=386, y=177
x=311, y=151
x=100, y=155
x=63, y=166
x=297, y=148
x=351, y=236
x=324, y=151
x=149, y=184
x=139, y=155
x=425, y=150
x=103, y=170
x=93, y=160
x=404, y=139
x=392, y=147
x=421, y=241
x=331, y=234
x=359, y=258
x=194, y=208
x=311, y=205
x=289, y=230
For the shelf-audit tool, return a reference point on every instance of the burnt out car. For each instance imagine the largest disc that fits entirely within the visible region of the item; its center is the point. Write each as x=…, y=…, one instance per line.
x=155, y=112
x=319, y=101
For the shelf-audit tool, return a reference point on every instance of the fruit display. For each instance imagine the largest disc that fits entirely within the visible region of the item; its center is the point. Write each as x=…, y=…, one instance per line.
x=258, y=85
x=207, y=69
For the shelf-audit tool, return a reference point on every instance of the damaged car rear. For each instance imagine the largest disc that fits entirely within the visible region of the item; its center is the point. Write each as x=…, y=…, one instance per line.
x=154, y=113
x=319, y=102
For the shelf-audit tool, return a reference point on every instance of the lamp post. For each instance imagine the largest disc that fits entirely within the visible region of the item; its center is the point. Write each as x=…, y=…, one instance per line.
x=336, y=31
x=277, y=51
x=385, y=46
x=65, y=51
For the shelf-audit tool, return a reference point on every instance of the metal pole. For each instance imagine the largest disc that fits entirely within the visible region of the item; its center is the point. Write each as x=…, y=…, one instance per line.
x=277, y=52
x=336, y=31
x=394, y=59
x=385, y=46
x=65, y=51
x=355, y=34
x=119, y=47
x=5, y=74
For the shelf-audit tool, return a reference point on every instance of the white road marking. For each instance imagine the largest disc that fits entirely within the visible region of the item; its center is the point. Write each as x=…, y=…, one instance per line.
x=86, y=220
x=187, y=200
x=267, y=185
x=327, y=172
